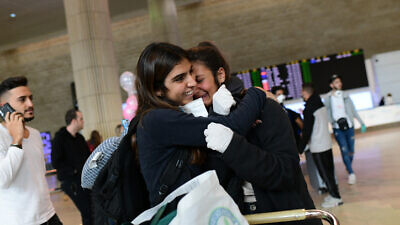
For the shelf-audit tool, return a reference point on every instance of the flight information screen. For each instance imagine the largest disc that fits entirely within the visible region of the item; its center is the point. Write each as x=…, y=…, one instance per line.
x=291, y=76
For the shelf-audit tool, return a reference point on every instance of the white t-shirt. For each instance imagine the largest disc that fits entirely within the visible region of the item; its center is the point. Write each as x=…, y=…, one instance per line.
x=24, y=194
x=338, y=109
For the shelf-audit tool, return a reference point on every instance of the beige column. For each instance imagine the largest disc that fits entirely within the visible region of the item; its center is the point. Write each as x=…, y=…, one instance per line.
x=164, y=21
x=94, y=66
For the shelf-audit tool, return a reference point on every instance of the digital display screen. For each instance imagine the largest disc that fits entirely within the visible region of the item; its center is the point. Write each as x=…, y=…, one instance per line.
x=291, y=76
x=46, y=139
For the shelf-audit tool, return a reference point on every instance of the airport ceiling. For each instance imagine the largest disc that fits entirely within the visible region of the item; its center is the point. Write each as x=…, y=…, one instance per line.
x=24, y=21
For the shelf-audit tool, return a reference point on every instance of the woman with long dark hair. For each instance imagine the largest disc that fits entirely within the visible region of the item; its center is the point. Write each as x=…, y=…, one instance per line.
x=94, y=140
x=163, y=84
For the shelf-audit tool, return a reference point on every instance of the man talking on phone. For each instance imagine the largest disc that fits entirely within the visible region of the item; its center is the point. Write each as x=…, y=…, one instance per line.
x=24, y=194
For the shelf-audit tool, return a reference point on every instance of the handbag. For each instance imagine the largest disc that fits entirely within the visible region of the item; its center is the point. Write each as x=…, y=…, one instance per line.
x=205, y=202
x=342, y=123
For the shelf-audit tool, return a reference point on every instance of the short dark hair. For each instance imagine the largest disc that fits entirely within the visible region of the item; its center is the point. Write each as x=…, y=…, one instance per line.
x=334, y=77
x=274, y=89
x=11, y=83
x=309, y=88
x=70, y=115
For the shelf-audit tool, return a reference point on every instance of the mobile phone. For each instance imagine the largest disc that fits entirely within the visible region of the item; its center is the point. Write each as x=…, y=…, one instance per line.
x=4, y=109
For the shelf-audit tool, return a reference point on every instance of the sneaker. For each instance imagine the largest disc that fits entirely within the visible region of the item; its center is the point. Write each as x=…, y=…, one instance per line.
x=327, y=198
x=331, y=202
x=352, y=179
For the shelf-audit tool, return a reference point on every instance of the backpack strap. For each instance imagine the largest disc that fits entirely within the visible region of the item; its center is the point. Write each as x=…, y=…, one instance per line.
x=172, y=172
x=112, y=179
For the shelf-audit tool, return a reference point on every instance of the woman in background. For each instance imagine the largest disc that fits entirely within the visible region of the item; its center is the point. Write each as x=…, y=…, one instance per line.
x=95, y=140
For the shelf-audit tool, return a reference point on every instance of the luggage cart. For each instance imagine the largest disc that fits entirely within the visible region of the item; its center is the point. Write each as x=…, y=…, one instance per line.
x=291, y=215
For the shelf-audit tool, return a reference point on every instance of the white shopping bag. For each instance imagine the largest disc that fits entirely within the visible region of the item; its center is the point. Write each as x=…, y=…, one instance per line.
x=206, y=203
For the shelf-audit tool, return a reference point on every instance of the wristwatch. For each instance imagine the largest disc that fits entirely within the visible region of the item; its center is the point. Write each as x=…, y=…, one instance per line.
x=16, y=145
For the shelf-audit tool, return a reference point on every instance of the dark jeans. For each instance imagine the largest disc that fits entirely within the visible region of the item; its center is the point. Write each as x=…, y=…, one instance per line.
x=54, y=220
x=326, y=169
x=80, y=197
x=345, y=140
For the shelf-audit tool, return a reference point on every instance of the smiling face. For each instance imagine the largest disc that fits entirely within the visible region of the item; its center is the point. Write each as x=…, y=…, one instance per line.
x=206, y=84
x=20, y=98
x=179, y=83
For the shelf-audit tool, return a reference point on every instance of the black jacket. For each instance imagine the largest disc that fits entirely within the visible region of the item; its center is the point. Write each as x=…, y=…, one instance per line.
x=161, y=132
x=268, y=159
x=312, y=104
x=68, y=154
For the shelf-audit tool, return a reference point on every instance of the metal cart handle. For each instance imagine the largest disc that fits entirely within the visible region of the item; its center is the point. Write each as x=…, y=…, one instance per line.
x=291, y=215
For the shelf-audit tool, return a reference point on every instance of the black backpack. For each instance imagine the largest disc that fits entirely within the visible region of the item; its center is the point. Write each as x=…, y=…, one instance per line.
x=119, y=192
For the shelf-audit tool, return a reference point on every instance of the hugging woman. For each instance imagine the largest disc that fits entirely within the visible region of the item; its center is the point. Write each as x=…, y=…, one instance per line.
x=268, y=177
x=163, y=84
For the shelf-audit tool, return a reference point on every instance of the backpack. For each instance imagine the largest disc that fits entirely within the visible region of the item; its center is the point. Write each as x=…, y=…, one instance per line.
x=119, y=193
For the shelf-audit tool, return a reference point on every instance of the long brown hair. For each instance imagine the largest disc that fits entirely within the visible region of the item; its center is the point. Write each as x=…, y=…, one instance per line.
x=95, y=139
x=155, y=63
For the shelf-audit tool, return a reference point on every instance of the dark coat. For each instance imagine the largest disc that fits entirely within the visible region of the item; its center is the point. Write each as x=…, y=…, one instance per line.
x=162, y=132
x=68, y=154
x=312, y=104
x=268, y=159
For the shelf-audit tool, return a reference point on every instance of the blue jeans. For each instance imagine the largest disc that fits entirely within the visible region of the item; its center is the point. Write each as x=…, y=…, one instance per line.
x=345, y=140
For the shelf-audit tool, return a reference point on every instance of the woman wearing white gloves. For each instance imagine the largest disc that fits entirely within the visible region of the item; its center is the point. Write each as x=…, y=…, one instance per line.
x=163, y=84
x=266, y=164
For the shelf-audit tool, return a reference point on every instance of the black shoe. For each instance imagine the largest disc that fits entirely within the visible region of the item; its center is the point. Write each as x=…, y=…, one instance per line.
x=322, y=191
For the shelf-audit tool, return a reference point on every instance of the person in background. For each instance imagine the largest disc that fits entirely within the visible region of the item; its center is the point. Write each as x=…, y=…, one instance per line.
x=316, y=135
x=95, y=140
x=341, y=112
x=118, y=130
x=389, y=99
x=24, y=194
x=294, y=117
x=68, y=156
x=297, y=125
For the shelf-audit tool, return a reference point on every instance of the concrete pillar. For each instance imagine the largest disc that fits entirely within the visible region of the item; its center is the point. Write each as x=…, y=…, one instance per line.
x=164, y=21
x=94, y=66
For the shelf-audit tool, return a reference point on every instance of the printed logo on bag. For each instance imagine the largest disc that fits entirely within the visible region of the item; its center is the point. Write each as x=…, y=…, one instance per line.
x=222, y=216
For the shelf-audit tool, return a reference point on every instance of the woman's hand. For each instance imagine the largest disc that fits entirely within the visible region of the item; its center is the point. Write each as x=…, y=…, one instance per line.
x=223, y=101
x=218, y=137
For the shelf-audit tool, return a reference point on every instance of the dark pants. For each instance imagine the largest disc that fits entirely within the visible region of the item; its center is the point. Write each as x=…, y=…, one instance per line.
x=54, y=220
x=80, y=197
x=326, y=169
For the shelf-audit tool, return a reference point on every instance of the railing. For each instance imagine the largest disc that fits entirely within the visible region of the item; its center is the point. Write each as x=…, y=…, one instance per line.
x=291, y=215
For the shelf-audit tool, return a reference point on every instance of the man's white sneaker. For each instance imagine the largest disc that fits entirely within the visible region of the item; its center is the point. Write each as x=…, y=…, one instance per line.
x=327, y=198
x=331, y=202
x=352, y=179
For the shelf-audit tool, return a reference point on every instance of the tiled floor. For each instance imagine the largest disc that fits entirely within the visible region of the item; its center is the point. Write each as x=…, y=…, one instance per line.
x=374, y=200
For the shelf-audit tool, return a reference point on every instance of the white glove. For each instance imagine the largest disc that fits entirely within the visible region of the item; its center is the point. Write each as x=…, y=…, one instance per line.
x=223, y=101
x=196, y=107
x=218, y=137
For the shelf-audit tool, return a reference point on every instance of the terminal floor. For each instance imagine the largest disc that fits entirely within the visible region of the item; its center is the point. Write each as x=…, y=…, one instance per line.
x=374, y=200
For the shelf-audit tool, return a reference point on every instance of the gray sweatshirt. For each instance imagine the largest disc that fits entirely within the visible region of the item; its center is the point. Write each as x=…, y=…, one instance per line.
x=349, y=108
